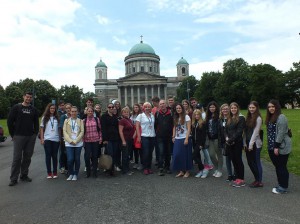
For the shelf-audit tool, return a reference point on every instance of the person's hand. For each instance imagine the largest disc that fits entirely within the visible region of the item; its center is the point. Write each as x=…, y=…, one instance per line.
x=123, y=143
x=138, y=139
x=276, y=151
x=42, y=141
x=105, y=142
x=186, y=141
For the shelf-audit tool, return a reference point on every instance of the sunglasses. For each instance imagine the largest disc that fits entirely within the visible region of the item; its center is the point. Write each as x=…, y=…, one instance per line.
x=110, y=107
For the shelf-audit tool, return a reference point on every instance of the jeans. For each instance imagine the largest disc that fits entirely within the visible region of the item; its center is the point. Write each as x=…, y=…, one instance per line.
x=282, y=172
x=113, y=149
x=147, y=146
x=207, y=160
x=253, y=159
x=23, y=151
x=63, y=162
x=164, y=152
x=215, y=154
x=73, y=155
x=125, y=155
x=229, y=166
x=51, y=150
x=91, y=152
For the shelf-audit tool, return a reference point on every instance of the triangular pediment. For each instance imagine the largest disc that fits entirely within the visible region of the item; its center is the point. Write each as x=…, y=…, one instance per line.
x=142, y=76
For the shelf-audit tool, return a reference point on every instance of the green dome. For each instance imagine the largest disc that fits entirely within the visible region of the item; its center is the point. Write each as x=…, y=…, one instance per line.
x=101, y=64
x=182, y=61
x=141, y=48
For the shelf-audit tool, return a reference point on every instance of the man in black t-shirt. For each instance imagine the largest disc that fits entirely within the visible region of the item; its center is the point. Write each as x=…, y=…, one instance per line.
x=23, y=126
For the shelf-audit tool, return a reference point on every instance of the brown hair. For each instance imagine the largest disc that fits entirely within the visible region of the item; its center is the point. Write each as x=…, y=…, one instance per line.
x=234, y=118
x=180, y=117
x=251, y=119
x=273, y=117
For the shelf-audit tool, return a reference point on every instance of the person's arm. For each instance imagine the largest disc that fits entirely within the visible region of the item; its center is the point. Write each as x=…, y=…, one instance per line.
x=188, y=125
x=174, y=132
x=81, y=133
x=255, y=133
x=100, y=131
x=104, y=128
x=42, y=131
x=66, y=135
x=11, y=120
x=138, y=131
x=121, y=127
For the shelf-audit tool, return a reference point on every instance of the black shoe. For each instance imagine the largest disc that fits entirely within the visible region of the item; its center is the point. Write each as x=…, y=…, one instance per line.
x=25, y=178
x=229, y=178
x=13, y=183
x=161, y=172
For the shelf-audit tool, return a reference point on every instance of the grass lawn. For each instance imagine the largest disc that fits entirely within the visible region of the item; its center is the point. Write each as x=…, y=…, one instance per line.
x=293, y=117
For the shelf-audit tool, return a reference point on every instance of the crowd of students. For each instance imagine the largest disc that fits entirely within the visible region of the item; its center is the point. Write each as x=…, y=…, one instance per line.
x=181, y=134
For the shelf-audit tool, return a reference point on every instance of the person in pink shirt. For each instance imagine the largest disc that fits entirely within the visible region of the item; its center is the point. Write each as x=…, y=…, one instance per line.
x=92, y=139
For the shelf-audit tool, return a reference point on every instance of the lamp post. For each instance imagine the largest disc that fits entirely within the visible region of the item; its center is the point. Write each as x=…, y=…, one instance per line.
x=188, y=89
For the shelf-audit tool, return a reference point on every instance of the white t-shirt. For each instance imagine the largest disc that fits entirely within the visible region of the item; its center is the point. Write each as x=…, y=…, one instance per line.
x=147, y=124
x=51, y=129
x=74, y=130
x=181, y=130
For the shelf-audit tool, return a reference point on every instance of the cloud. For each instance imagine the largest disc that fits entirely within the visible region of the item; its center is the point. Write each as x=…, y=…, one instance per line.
x=103, y=20
x=119, y=40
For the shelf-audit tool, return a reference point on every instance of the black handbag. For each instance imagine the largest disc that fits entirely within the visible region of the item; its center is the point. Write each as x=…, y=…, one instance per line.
x=226, y=149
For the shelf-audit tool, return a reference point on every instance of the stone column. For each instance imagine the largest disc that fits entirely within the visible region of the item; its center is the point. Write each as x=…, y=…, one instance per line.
x=165, y=91
x=119, y=93
x=158, y=91
x=152, y=91
x=132, y=97
x=138, y=93
x=125, y=95
x=146, y=93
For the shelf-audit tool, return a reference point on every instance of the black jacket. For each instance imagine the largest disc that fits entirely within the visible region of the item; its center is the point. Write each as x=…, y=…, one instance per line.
x=163, y=124
x=234, y=131
x=212, y=133
x=110, y=127
x=199, y=135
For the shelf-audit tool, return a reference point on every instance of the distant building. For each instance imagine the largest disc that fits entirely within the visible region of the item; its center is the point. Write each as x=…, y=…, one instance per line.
x=142, y=78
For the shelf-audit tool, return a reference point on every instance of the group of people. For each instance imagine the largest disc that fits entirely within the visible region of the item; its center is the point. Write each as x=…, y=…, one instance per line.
x=180, y=133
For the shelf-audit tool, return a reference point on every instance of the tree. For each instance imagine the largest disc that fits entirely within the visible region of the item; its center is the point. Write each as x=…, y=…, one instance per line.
x=187, y=88
x=44, y=93
x=14, y=94
x=292, y=84
x=205, y=90
x=71, y=94
x=265, y=83
x=4, y=103
x=232, y=85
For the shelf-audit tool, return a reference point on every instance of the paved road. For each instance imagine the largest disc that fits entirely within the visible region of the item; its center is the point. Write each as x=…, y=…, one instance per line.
x=140, y=199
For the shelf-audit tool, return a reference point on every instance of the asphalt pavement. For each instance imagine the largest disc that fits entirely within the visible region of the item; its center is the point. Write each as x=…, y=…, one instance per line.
x=141, y=199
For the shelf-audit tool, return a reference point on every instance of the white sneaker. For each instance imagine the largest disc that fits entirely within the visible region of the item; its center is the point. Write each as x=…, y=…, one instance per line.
x=70, y=177
x=140, y=167
x=117, y=169
x=204, y=173
x=218, y=174
x=199, y=174
x=62, y=170
x=215, y=173
x=84, y=169
x=74, y=177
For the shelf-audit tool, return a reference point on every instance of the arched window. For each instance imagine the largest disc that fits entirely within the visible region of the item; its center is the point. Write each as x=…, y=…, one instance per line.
x=183, y=70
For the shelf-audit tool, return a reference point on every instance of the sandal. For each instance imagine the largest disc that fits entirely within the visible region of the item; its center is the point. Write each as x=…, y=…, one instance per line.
x=186, y=175
x=180, y=174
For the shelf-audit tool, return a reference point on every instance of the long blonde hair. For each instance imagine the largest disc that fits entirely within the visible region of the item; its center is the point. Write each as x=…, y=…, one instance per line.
x=200, y=121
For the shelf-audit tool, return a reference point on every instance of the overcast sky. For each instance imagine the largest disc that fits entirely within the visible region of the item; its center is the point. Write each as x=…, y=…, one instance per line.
x=62, y=40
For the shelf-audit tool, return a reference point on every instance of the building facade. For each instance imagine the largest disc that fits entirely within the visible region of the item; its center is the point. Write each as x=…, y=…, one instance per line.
x=142, y=79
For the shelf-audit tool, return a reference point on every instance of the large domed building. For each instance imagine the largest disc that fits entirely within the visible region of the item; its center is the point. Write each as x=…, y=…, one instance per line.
x=142, y=79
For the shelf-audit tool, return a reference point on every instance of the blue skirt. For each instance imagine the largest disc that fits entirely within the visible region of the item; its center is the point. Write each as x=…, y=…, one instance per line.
x=182, y=156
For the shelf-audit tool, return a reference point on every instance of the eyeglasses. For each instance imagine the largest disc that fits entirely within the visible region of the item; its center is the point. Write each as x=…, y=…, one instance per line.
x=110, y=107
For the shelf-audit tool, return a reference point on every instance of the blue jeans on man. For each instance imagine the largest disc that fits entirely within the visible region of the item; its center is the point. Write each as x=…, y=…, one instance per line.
x=164, y=152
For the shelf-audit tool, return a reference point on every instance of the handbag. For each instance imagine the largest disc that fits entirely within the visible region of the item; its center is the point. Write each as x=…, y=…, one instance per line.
x=290, y=134
x=105, y=161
